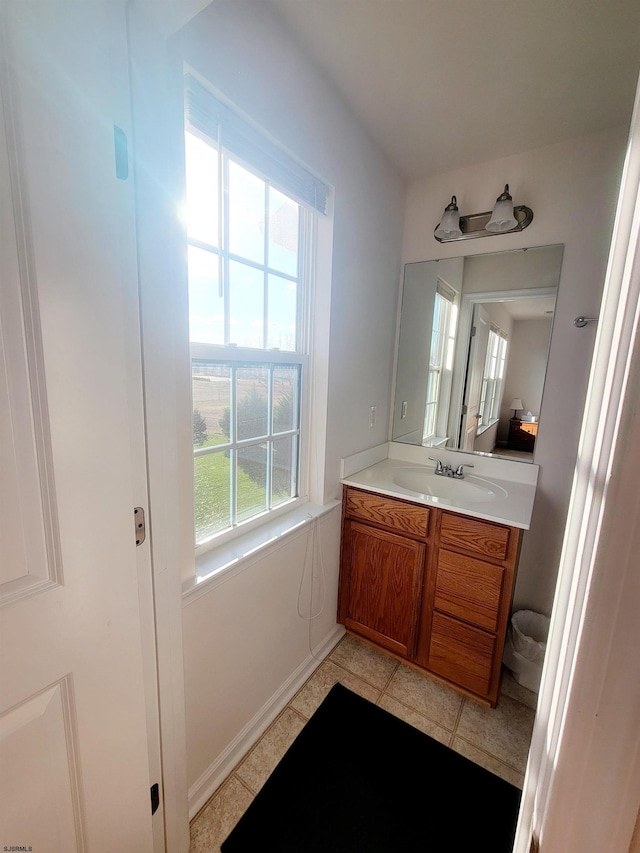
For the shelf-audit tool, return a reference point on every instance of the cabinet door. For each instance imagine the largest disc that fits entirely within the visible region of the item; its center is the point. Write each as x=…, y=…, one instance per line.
x=381, y=586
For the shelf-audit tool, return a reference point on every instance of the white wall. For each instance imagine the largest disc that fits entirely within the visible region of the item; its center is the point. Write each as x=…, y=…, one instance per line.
x=244, y=640
x=572, y=188
x=414, y=346
x=248, y=644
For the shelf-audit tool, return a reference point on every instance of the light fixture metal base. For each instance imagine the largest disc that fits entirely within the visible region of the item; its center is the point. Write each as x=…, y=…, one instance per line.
x=473, y=225
x=581, y=322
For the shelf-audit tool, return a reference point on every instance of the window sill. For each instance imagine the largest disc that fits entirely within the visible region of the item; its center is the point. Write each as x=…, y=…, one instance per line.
x=491, y=423
x=220, y=564
x=437, y=441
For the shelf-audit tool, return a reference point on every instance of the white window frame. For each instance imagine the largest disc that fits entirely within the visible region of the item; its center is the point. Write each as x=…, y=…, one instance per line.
x=240, y=356
x=301, y=356
x=493, y=378
x=439, y=404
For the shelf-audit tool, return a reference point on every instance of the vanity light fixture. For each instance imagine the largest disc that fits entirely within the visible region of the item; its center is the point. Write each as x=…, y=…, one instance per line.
x=449, y=227
x=503, y=219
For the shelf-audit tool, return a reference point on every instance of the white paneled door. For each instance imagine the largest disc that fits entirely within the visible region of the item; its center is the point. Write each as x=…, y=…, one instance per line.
x=78, y=719
x=475, y=372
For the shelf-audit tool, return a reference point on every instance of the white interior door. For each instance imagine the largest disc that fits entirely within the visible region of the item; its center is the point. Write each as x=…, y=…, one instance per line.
x=475, y=371
x=75, y=728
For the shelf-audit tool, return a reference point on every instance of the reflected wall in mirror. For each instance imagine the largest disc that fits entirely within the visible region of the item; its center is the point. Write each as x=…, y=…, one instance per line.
x=474, y=339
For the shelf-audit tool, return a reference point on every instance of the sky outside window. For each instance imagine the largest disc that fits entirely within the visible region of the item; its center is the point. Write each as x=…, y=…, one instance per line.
x=256, y=253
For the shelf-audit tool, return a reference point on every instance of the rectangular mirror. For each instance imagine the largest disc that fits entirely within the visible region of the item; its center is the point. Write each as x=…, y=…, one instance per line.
x=473, y=350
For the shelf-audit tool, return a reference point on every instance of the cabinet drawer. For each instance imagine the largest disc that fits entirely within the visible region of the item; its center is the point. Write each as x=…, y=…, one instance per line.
x=461, y=654
x=492, y=540
x=468, y=589
x=401, y=517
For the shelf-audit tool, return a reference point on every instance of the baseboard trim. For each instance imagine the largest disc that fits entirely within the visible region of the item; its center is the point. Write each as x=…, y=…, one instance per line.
x=218, y=771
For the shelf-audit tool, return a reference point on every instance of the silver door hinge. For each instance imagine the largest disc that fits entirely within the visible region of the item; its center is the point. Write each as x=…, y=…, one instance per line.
x=140, y=527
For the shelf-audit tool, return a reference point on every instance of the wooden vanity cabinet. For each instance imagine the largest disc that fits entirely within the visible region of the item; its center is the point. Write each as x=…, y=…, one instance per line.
x=431, y=586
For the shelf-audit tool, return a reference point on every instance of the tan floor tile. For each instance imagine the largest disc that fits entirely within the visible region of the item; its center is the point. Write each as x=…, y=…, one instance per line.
x=415, y=719
x=497, y=739
x=261, y=761
x=504, y=731
x=364, y=661
x=430, y=698
x=488, y=762
x=215, y=821
x=510, y=687
x=326, y=675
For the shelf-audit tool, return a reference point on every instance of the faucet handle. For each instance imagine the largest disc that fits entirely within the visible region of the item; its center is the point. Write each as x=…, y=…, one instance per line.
x=459, y=469
x=439, y=468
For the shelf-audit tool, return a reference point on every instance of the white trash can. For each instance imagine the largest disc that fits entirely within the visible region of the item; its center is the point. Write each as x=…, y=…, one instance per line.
x=525, y=646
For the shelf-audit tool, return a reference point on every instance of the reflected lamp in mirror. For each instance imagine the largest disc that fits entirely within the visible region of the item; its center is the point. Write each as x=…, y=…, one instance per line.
x=449, y=227
x=503, y=219
x=516, y=405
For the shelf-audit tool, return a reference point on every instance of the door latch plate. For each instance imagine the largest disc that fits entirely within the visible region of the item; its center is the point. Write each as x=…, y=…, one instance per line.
x=140, y=526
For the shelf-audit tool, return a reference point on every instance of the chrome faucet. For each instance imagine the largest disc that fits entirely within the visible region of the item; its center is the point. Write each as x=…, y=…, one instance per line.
x=459, y=473
x=449, y=470
x=441, y=469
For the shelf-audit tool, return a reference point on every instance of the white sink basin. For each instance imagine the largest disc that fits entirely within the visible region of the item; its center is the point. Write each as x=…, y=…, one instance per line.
x=425, y=482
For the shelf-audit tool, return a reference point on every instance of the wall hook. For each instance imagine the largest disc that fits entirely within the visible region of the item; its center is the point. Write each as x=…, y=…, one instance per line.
x=580, y=322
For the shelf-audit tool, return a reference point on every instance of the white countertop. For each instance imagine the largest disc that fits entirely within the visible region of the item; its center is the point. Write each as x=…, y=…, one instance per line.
x=512, y=504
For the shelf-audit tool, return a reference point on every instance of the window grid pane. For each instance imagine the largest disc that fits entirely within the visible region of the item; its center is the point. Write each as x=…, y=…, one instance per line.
x=253, y=486
x=211, y=396
x=252, y=402
x=493, y=376
x=246, y=441
x=283, y=220
x=202, y=190
x=284, y=473
x=212, y=494
x=247, y=204
x=206, y=305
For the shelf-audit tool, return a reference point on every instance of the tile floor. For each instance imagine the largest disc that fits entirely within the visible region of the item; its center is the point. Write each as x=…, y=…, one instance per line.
x=498, y=739
x=514, y=454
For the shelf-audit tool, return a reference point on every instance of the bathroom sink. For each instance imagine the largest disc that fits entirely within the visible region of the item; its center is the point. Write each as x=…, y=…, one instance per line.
x=425, y=482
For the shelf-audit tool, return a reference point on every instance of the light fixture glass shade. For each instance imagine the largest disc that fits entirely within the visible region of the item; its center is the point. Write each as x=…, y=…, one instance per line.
x=450, y=223
x=502, y=218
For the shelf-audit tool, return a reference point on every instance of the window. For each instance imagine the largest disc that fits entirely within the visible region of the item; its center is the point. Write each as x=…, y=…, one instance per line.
x=443, y=338
x=249, y=231
x=491, y=393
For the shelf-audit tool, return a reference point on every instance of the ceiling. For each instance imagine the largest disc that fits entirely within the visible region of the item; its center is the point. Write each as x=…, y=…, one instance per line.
x=442, y=84
x=540, y=308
